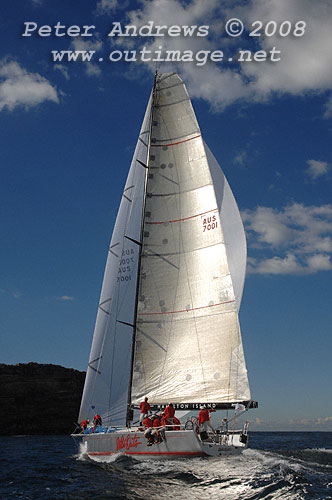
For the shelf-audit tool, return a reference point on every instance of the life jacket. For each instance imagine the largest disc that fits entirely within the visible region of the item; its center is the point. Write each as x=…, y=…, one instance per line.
x=84, y=424
x=170, y=411
x=97, y=420
x=203, y=416
x=156, y=422
x=144, y=406
x=147, y=422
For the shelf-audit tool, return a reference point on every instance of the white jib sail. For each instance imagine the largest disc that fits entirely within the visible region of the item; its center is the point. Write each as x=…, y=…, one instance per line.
x=108, y=376
x=188, y=344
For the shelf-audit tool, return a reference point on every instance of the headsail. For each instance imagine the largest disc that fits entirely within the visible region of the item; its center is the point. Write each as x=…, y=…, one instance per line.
x=108, y=375
x=188, y=341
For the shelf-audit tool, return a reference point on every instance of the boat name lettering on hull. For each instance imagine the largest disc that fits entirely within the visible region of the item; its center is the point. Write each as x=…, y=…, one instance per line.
x=127, y=442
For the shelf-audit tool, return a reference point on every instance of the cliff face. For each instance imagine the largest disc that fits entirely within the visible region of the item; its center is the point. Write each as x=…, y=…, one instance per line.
x=39, y=399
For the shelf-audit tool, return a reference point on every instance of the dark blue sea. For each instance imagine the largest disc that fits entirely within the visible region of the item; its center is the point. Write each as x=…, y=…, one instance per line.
x=279, y=465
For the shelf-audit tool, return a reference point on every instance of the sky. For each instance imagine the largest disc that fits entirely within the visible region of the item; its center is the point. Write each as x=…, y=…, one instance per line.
x=68, y=131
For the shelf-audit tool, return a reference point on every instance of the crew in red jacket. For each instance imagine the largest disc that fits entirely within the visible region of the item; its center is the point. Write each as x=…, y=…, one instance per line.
x=170, y=411
x=147, y=422
x=157, y=431
x=204, y=418
x=145, y=408
x=84, y=424
x=97, y=420
x=168, y=415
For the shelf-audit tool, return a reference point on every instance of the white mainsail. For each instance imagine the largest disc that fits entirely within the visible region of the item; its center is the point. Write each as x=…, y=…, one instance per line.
x=188, y=344
x=174, y=274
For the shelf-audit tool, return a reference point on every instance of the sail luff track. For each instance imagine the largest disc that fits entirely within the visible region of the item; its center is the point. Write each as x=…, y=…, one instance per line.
x=146, y=166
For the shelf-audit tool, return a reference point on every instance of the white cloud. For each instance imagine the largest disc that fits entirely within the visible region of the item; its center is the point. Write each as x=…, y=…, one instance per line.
x=18, y=87
x=306, y=61
x=328, y=109
x=92, y=69
x=317, y=168
x=294, y=240
x=66, y=298
x=241, y=158
x=62, y=69
x=87, y=45
x=110, y=6
x=80, y=44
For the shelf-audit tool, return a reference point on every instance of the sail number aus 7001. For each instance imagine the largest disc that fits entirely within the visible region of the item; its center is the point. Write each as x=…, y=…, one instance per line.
x=210, y=223
x=124, y=270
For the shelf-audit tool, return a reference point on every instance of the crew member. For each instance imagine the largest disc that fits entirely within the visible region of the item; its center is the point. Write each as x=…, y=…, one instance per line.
x=84, y=424
x=97, y=420
x=145, y=408
x=157, y=429
x=169, y=414
x=204, y=418
x=147, y=422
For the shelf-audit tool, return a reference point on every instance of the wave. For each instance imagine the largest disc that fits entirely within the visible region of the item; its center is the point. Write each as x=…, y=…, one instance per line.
x=272, y=459
x=318, y=450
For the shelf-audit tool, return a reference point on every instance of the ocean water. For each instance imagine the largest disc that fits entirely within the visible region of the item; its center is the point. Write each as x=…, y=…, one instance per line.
x=276, y=465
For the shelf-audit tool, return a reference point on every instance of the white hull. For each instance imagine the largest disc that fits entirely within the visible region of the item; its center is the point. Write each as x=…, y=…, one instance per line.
x=183, y=443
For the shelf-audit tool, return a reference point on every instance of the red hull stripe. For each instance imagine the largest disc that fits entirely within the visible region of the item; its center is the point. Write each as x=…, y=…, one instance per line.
x=186, y=310
x=197, y=453
x=174, y=143
x=186, y=218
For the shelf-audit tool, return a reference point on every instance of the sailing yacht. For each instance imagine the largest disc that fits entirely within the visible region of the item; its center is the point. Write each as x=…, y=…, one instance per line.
x=167, y=326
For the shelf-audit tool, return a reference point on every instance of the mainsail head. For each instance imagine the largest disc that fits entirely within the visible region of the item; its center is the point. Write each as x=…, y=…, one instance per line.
x=167, y=324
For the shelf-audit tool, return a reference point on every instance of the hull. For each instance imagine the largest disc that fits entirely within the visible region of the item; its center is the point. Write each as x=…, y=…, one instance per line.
x=102, y=447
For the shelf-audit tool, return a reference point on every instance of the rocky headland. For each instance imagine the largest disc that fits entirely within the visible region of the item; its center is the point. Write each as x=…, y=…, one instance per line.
x=39, y=399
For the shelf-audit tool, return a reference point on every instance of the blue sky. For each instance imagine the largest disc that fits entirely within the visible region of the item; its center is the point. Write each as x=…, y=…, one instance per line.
x=68, y=131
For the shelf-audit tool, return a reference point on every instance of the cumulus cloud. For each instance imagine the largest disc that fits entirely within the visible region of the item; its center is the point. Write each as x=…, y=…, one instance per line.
x=18, y=87
x=317, y=168
x=306, y=61
x=294, y=240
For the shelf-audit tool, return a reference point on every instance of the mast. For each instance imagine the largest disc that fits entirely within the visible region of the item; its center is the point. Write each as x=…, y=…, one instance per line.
x=146, y=166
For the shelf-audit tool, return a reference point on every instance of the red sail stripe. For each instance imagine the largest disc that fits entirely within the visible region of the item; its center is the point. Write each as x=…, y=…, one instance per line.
x=174, y=143
x=185, y=218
